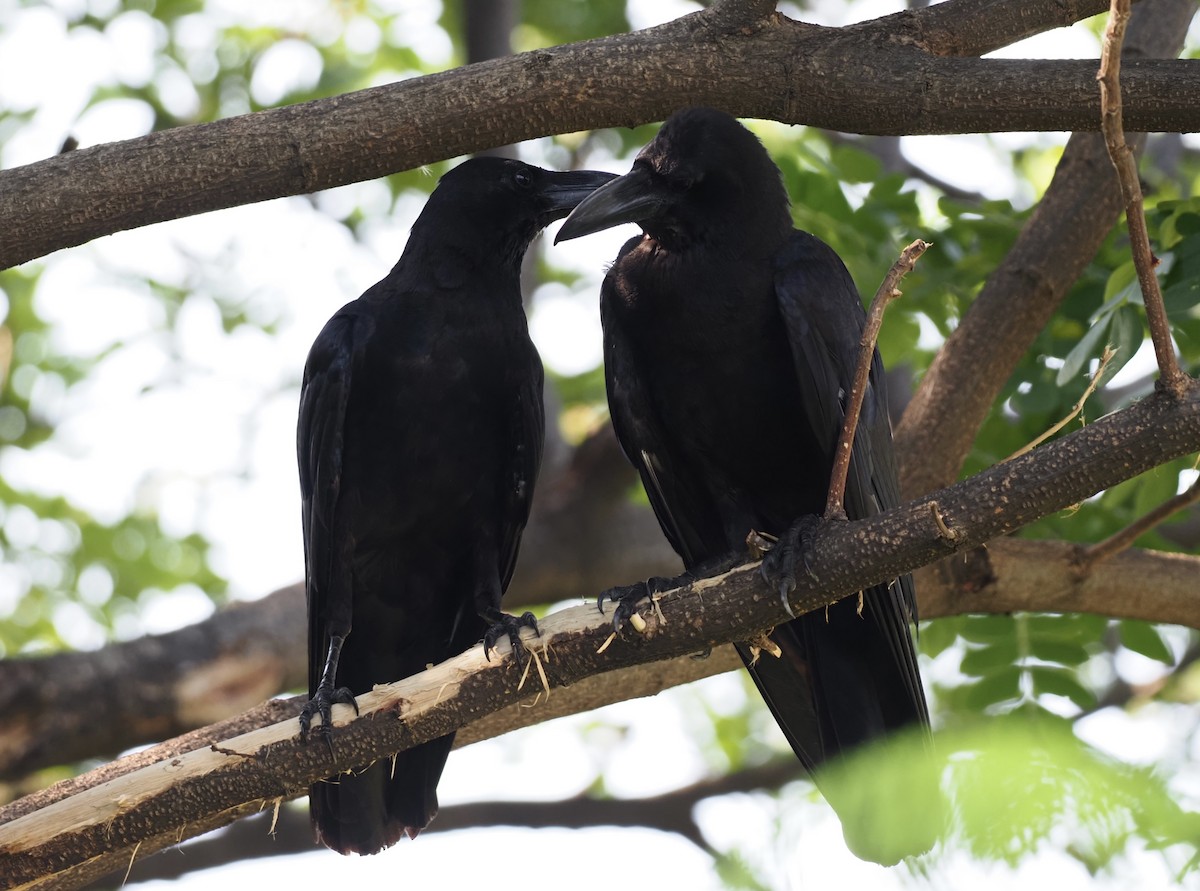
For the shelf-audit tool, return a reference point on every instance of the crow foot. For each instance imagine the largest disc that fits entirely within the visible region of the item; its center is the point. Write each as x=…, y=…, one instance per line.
x=627, y=597
x=780, y=565
x=321, y=704
x=504, y=625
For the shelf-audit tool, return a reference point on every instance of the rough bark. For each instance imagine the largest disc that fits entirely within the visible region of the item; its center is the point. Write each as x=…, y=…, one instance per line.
x=881, y=77
x=75, y=839
x=1079, y=209
x=73, y=706
x=586, y=534
x=290, y=832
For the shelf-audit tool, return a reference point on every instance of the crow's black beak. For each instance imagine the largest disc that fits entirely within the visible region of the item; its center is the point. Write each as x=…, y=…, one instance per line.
x=631, y=198
x=563, y=190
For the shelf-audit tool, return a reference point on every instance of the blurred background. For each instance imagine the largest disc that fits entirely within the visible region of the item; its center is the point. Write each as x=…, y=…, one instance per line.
x=148, y=391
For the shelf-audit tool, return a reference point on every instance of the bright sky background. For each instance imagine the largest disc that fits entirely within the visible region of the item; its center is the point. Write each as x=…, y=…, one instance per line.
x=214, y=449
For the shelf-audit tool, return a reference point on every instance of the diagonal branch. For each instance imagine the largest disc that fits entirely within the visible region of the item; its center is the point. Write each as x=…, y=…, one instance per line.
x=887, y=292
x=1131, y=191
x=864, y=79
x=103, y=828
x=1121, y=540
x=290, y=832
x=1077, y=211
x=585, y=534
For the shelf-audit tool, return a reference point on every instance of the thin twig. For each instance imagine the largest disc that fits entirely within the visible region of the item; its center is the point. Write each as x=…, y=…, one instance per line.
x=1109, y=352
x=1131, y=191
x=1119, y=541
x=834, y=507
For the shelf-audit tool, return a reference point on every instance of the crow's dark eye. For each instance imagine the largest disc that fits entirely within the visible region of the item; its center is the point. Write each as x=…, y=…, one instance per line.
x=522, y=179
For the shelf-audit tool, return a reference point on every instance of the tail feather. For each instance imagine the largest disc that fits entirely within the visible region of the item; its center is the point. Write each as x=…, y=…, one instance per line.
x=368, y=810
x=843, y=680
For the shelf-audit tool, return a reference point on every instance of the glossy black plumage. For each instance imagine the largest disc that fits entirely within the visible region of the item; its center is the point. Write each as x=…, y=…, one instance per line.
x=419, y=438
x=730, y=341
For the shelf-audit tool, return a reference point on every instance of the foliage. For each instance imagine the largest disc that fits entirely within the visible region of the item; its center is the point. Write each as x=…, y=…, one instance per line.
x=1008, y=690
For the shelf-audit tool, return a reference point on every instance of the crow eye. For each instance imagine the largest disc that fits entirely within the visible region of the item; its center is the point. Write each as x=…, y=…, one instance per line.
x=522, y=179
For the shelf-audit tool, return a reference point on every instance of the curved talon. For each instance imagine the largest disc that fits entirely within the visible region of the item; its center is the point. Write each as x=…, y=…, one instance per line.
x=786, y=587
x=509, y=626
x=321, y=704
x=626, y=597
x=782, y=562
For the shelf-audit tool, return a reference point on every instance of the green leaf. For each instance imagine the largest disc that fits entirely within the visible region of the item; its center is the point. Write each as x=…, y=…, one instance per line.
x=937, y=636
x=1125, y=337
x=1122, y=284
x=981, y=661
x=1087, y=348
x=855, y=165
x=1144, y=638
x=1061, y=682
x=1062, y=652
x=986, y=629
x=1003, y=686
x=1154, y=487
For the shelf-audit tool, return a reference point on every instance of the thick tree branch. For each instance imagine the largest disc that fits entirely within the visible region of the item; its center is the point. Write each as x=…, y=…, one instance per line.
x=872, y=78
x=586, y=534
x=1079, y=208
x=101, y=829
x=148, y=689
x=975, y=27
x=1008, y=575
x=289, y=832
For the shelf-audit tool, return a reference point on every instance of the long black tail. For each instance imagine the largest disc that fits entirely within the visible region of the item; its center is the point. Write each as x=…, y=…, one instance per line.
x=842, y=680
x=366, y=811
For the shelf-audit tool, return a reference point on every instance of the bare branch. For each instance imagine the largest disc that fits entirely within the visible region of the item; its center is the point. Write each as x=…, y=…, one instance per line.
x=98, y=830
x=802, y=74
x=834, y=507
x=148, y=689
x=585, y=535
x=1102, y=550
x=1076, y=213
x=289, y=831
x=1144, y=261
x=1075, y=409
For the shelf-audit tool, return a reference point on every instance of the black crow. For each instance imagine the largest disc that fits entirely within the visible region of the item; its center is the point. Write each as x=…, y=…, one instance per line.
x=419, y=439
x=730, y=342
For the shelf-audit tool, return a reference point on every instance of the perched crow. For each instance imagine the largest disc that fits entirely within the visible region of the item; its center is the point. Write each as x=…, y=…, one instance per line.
x=419, y=440
x=730, y=341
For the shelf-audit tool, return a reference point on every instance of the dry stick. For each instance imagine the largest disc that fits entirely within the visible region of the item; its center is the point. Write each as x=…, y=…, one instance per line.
x=1172, y=378
x=1119, y=541
x=834, y=506
x=1109, y=352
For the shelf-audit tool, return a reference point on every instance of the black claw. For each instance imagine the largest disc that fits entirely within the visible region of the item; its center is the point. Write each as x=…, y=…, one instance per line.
x=626, y=597
x=783, y=561
x=508, y=626
x=321, y=704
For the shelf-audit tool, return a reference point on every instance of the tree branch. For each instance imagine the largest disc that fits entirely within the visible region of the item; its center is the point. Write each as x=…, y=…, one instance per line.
x=585, y=534
x=1103, y=550
x=872, y=78
x=290, y=832
x=148, y=689
x=1131, y=191
x=1080, y=207
x=975, y=27
x=886, y=293
x=103, y=828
